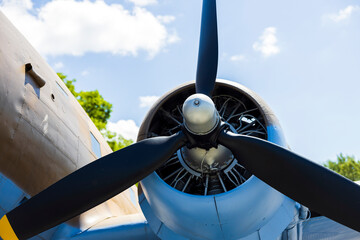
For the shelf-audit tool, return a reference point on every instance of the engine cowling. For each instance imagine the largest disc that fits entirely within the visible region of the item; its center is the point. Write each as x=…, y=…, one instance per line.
x=207, y=194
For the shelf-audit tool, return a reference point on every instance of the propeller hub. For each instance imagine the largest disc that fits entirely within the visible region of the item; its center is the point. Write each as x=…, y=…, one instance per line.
x=206, y=161
x=200, y=114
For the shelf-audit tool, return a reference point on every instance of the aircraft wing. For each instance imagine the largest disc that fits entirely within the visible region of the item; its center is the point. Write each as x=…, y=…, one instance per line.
x=322, y=228
x=130, y=227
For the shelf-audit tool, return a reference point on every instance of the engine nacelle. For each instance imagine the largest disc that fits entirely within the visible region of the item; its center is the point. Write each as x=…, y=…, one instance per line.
x=190, y=197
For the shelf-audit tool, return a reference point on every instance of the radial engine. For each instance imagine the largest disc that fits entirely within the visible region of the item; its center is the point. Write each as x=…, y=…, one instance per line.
x=206, y=193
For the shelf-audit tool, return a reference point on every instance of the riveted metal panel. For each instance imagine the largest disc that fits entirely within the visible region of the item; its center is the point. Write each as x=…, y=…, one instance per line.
x=183, y=213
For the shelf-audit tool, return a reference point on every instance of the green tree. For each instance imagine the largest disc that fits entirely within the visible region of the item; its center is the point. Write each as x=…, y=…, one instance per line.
x=94, y=104
x=346, y=166
x=68, y=83
x=116, y=141
x=96, y=107
x=99, y=111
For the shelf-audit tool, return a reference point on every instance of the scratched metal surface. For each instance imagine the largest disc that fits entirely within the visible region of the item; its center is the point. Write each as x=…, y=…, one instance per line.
x=322, y=228
x=45, y=133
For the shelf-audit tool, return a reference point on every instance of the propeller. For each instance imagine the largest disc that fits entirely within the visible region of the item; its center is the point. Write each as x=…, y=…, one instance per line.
x=89, y=186
x=112, y=174
x=208, y=50
x=302, y=180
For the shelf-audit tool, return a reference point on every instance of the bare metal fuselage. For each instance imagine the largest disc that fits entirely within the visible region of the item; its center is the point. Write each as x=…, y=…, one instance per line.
x=45, y=133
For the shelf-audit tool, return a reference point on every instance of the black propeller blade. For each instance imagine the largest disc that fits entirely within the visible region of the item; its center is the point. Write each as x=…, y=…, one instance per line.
x=112, y=174
x=92, y=185
x=208, y=50
x=298, y=178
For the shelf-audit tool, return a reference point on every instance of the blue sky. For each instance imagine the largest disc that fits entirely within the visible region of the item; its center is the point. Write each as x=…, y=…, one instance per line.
x=301, y=57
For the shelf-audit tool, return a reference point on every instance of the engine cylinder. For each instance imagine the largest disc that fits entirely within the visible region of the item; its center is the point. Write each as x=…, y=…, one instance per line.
x=191, y=198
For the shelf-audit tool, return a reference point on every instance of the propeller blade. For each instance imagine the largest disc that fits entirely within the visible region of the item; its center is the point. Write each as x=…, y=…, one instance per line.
x=302, y=180
x=208, y=50
x=90, y=186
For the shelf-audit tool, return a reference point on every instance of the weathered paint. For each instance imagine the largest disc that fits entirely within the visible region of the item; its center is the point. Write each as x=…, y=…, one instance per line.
x=45, y=135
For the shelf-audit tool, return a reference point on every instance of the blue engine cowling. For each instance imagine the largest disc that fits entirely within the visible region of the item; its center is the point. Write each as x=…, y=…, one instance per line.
x=250, y=210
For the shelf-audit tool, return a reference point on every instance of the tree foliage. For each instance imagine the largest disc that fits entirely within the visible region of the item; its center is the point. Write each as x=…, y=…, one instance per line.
x=116, y=141
x=69, y=83
x=96, y=107
x=94, y=104
x=99, y=111
x=346, y=166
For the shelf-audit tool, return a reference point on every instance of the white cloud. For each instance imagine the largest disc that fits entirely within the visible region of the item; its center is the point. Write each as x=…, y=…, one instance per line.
x=126, y=128
x=173, y=38
x=75, y=27
x=267, y=43
x=143, y=2
x=166, y=18
x=58, y=65
x=147, y=101
x=236, y=58
x=343, y=14
x=84, y=73
x=24, y=4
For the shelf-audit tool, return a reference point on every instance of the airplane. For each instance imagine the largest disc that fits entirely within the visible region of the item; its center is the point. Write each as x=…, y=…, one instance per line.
x=211, y=159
